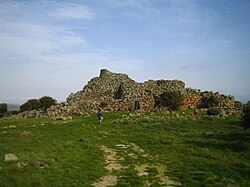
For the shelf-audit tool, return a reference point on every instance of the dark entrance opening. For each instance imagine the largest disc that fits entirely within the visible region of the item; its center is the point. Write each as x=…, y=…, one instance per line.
x=137, y=105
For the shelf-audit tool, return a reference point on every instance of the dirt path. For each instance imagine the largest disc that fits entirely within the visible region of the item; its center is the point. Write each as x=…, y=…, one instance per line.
x=112, y=165
x=117, y=170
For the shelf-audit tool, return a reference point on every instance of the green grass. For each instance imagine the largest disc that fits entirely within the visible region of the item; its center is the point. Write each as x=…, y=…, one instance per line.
x=205, y=152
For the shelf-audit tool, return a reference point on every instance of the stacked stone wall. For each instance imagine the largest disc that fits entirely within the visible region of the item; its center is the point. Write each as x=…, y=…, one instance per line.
x=193, y=97
x=104, y=88
x=119, y=92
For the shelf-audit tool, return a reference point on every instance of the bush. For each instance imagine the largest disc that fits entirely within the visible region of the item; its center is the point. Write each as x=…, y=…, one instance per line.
x=3, y=108
x=12, y=112
x=213, y=111
x=246, y=116
x=208, y=101
x=31, y=104
x=170, y=99
x=47, y=102
x=34, y=104
x=103, y=104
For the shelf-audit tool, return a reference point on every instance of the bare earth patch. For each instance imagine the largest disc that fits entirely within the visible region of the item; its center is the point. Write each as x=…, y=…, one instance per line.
x=112, y=165
x=114, y=168
x=111, y=159
x=110, y=154
x=106, y=181
x=142, y=170
x=138, y=149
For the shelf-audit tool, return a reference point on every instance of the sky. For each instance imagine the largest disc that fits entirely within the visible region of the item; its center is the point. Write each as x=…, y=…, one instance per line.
x=55, y=47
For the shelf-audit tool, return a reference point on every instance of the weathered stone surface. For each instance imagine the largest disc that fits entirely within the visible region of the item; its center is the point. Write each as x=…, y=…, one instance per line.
x=30, y=114
x=193, y=97
x=119, y=92
x=10, y=157
x=37, y=164
x=9, y=127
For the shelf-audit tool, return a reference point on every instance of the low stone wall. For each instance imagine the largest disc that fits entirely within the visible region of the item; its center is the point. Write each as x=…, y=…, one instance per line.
x=30, y=114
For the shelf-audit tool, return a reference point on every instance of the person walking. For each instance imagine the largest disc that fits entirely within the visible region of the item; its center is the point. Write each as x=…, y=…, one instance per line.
x=195, y=114
x=99, y=116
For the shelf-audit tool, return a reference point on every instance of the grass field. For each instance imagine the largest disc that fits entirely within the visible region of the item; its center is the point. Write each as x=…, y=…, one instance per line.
x=120, y=152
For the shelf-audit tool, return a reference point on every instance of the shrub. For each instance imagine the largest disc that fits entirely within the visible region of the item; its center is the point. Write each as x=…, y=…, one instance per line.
x=10, y=113
x=3, y=108
x=170, y=99
x=47, y=102
x=246, y=115
x=213, y=111
x=209, y=101
x=238, y=104
x=34, y=104
x=103, y=104
x=31, y=104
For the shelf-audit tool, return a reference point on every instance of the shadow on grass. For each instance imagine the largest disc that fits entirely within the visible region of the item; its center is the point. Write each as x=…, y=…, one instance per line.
x=236, y=142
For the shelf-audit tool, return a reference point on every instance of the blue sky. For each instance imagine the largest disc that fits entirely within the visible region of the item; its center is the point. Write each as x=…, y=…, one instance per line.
x=55, y=47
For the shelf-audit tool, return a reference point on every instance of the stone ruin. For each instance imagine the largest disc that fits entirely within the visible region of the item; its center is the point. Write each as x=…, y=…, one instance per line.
x=118, y=92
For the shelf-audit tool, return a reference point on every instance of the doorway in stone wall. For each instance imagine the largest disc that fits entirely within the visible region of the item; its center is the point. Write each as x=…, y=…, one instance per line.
x=137, y=105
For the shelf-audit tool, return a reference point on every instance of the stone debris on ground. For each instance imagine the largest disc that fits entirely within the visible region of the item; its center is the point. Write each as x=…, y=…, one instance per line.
x=10, y=157
x=122, y=146
x=26, y=134
x=38, y=164
x=10, y=127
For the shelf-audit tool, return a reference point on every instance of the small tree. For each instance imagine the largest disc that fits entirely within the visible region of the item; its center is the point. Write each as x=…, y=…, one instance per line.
x=213, y=111
x=31, y=104
x=34, y=104
x=46, y=102
x=3, y=108
x=246, y=115
x=170, y=99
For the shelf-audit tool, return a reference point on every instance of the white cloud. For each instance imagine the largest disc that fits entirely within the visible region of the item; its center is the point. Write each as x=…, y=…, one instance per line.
x=73, y=11
x=32, y=39
x=39, y=57
x=23, y=37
